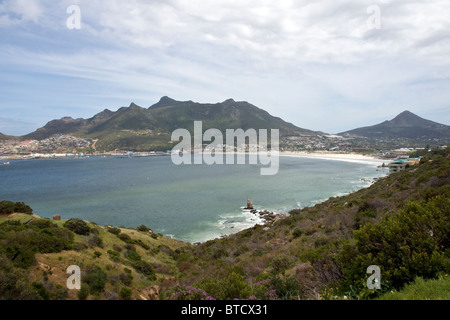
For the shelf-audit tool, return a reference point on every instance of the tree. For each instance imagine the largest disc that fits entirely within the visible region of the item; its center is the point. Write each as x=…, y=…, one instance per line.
x=6, y=207
x=21, y=207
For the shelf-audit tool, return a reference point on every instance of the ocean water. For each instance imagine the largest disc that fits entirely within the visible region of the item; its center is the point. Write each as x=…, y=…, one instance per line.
x=191, y=203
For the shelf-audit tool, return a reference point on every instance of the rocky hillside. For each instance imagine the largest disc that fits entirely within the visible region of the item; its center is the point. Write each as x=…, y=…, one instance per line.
x=141, y=129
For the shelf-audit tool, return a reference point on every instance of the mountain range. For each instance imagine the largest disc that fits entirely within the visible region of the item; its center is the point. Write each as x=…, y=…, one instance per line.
x=139, y=129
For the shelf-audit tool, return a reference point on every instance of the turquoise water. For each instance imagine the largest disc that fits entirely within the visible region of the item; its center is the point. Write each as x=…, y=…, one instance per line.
x=188, y=202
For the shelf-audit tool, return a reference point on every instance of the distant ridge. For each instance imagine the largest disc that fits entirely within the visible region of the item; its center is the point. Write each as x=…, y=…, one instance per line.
x=406, y=125
x=138, y=128
x=6, y=137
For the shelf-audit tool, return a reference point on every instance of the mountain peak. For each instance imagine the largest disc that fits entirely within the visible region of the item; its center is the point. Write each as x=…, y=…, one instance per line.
x=407, y=118
x=405, y=125
x=164, y=102
x=406, y=114
x=134, y=105
x=229, y=101
x=166, y=99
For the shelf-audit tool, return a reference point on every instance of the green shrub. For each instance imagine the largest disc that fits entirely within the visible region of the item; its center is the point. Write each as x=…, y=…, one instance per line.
x=125, y=238
x=234, y=286
x=40, y=289
x=42, y=224
x=77, y=226
x=14, y=283
x=286, y=288
x=20, y=243
x=21, y=207
x=297, y=233
x=83, y=293
x=406, y=245
x=126, y=278
x=59, y=293
x=145, y=268
x=114, y=230
x=132, y=255
x=6, y=207
x=420, y=289
x=125, y=293
x=96, y=279
x=143, y=228
x=280, y=264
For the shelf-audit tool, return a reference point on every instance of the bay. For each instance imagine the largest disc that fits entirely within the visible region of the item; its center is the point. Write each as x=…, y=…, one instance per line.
x=192, y=203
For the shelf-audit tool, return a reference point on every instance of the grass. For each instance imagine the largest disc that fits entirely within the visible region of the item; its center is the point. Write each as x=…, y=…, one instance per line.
x=420, y=289
x=50, y=268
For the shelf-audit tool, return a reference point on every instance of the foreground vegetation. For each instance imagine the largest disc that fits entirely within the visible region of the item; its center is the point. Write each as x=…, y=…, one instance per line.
x=420, y=289
x=401, y=224
x=116, y=263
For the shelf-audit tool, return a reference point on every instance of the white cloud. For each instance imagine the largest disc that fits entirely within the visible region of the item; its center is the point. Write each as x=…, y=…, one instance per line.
x=13, y=12
x=293, y=31
x=288, y=56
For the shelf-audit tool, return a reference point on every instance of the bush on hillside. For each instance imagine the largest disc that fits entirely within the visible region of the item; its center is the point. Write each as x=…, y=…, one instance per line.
x=14, y=283
x=96, y=279
x=412, y=243
x=77, y=226
x=145, y=268
x=20, y=243
x=8, y=207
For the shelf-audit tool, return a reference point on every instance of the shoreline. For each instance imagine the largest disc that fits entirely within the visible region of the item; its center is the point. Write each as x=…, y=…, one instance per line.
x=329, y=155
x=323, y=155
x=266, y=219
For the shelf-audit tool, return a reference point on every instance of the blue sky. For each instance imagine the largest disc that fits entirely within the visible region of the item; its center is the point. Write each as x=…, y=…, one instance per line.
x=322, y=65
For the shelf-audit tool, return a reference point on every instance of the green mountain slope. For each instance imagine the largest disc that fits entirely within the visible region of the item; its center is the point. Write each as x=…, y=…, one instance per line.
x=136, y=128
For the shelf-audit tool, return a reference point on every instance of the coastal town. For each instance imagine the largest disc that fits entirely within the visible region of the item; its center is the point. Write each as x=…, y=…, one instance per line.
x=69, y=146
x=62, y=144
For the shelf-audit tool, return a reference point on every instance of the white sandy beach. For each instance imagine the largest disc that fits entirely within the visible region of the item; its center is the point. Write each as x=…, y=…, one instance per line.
x=349, y=157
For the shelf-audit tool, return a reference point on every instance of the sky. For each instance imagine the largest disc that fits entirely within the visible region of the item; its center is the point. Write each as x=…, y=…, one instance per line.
x=328, y=65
